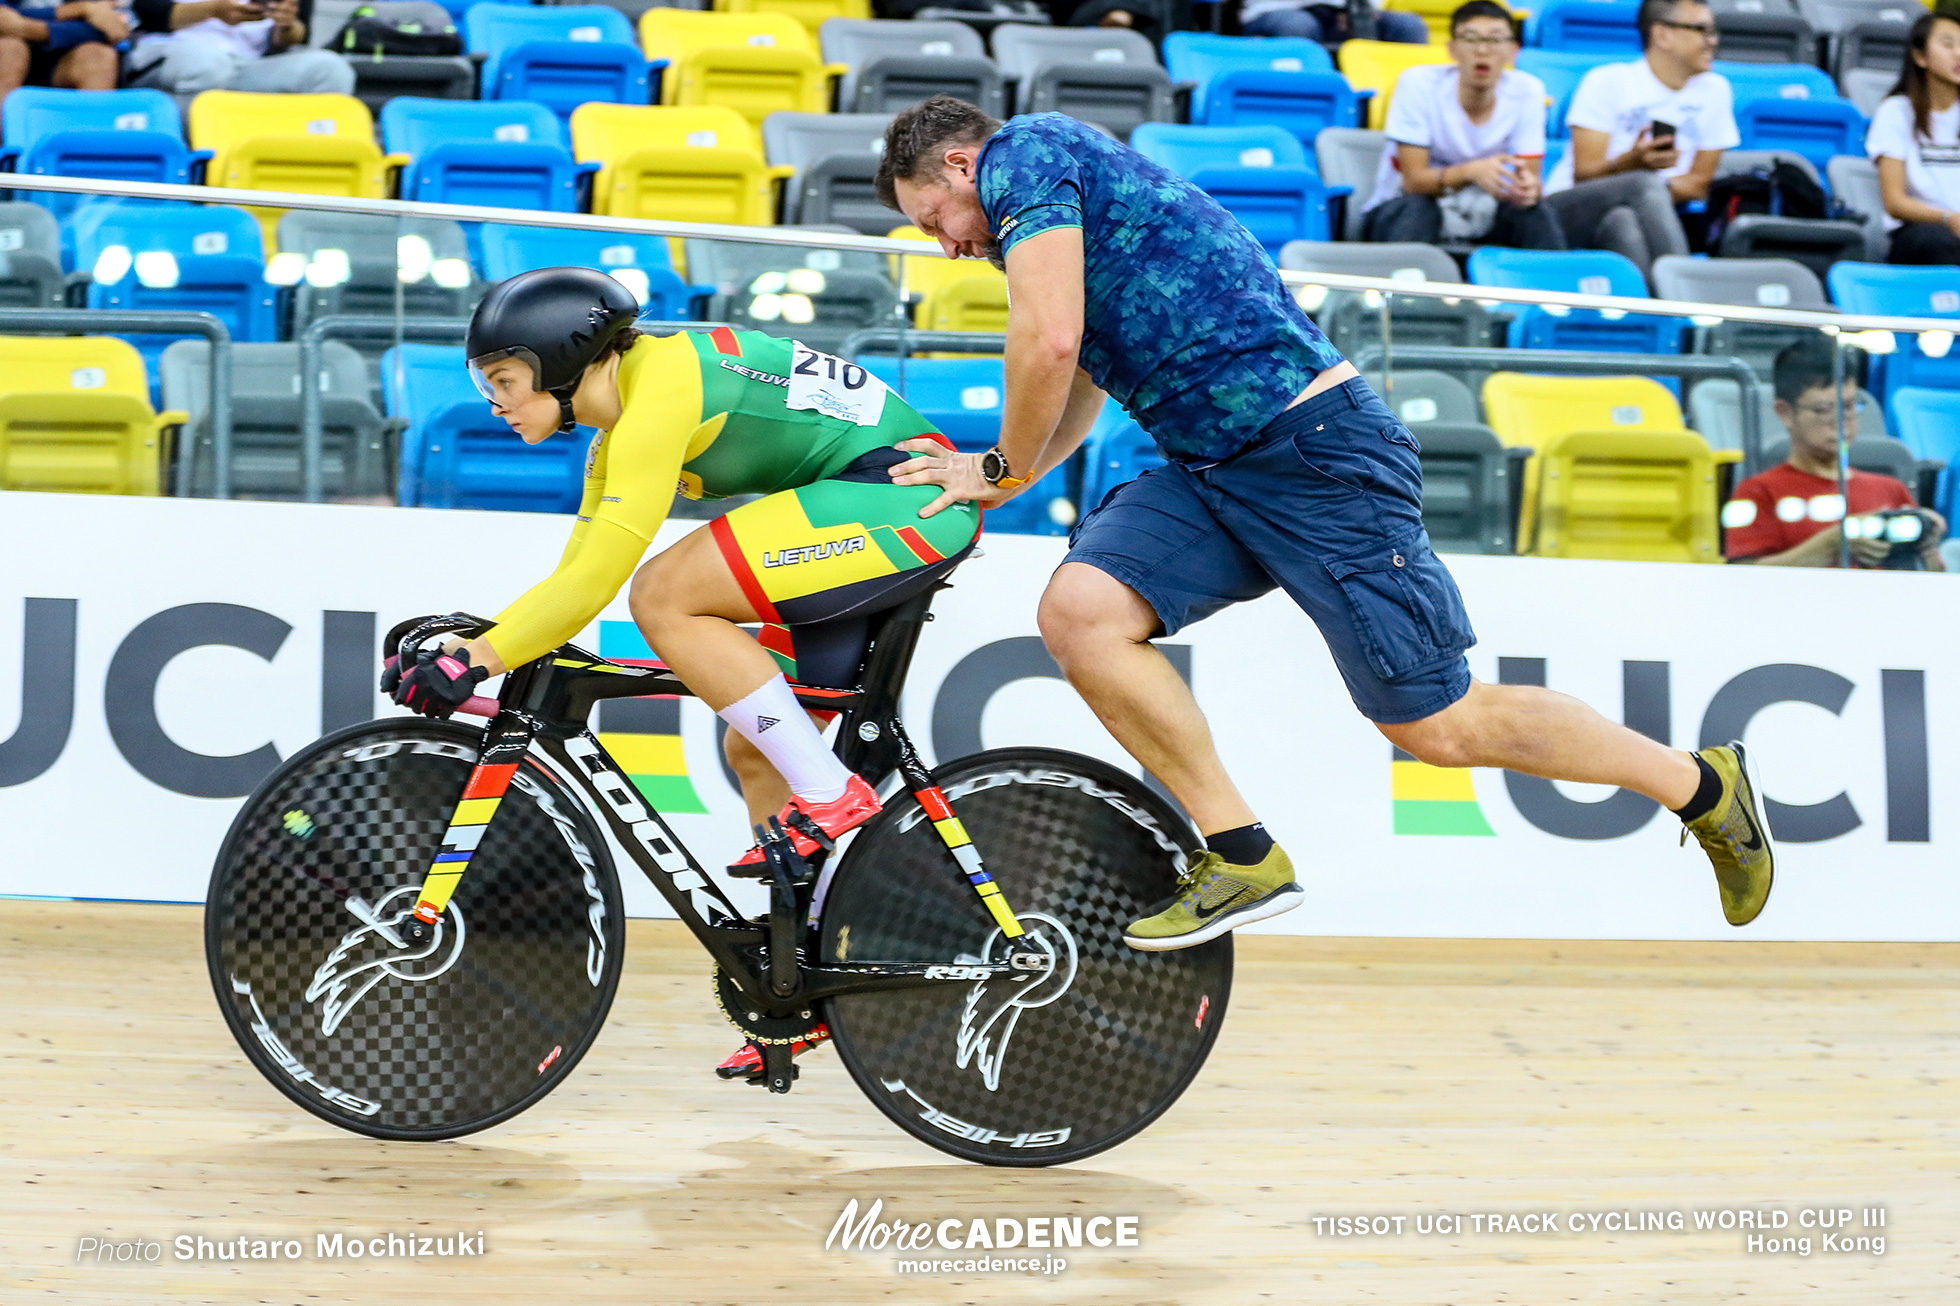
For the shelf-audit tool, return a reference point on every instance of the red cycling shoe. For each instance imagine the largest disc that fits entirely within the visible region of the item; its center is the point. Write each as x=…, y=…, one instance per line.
x=747, y=1063
x=857, y=805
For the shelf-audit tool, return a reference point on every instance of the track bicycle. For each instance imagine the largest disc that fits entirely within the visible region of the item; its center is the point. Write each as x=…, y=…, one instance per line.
x=415, y=929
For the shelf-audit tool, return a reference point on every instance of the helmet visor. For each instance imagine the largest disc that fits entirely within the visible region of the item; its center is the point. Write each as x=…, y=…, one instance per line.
x=511, y=385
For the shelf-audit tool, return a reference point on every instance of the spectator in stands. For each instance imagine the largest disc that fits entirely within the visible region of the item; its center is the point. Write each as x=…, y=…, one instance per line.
x=72, y=46
x=236, y=45
x=1790, y=515
x=1646, y=137
x=1331, y=24
x=1915, y=140
x=1468, y=140
x=1155, y=19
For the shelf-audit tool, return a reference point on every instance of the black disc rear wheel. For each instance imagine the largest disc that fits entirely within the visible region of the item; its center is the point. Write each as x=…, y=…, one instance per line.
x=1007, y=1071
x=383, y=1036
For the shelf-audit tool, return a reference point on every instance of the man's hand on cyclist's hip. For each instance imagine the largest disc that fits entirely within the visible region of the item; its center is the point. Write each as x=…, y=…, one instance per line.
x=958, y=474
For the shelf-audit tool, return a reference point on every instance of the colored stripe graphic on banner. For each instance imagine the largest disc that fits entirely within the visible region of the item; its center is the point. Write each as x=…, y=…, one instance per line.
x=1433, y=799
x=644, y=734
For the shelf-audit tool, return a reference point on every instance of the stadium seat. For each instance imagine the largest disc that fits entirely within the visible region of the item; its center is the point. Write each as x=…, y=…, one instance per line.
x=1650, y=496
x=457, y=454
x=147, y=256
x=1373, y=67
x=30, y=257
x=265, y=419
x=378, y=80
x=1884, y=290
x=1599, y=27
x=1816, y=243
x=1756, y=81
x=1353, y=321
x=920, y=276
x=134, y=135
x=1586, y=272
x=834, y=157
x=1103, y=75
x=753, y=64
x=818, y=296
x=1867, y=87
x=1561, y=71
x=891, y=64
x=1855, y=182
x=354, y=263
x=1530, y=411
x=1350, y=157
x=560, y=56
x=1764, y=32
x=975, y=302
x=1832, y=19
x=1435, y=15
x=1259, y=174
x=698, y=163
x=314, y=144
x=1466, y=488
x=1928, y=422
x=75, y=417
x=641, y=263
x=1421, y=398
x=1816, y=129
x=1116, y=453
x=813, y=14
x=1761, y=283
x=1715, y=410
x=1878, y=41
x=1236, y=80
x=502, y=153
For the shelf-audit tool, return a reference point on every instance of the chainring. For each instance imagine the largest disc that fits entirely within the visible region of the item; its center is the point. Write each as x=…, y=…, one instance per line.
x=741, y=1012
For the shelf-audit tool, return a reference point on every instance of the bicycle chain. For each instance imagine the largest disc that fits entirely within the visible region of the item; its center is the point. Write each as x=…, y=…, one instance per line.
x=764, y=1029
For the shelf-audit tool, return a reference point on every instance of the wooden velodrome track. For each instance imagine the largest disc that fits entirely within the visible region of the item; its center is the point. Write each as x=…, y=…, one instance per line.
x=1369, y=1077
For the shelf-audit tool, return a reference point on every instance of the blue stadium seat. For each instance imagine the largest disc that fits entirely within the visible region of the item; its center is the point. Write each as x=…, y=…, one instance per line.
x=1816, y=129
x=148, y=256
x=1561, y=71
x=1260, y=174
x=1929, y=423
x=1885, y=290
x=1287, y=82
x=457, y=454
x=506, y=153
x=1117, y=451
x=1780, y=81
x=1586, y=272
x=1605, y=27
x=560, y=56
x=641, y=263
x=114, y=135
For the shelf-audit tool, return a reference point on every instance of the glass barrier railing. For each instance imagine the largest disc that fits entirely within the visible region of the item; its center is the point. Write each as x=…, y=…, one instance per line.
x=310, y=347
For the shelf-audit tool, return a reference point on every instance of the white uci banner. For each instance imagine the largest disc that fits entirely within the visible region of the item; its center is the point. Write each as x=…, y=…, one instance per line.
x=158, y=657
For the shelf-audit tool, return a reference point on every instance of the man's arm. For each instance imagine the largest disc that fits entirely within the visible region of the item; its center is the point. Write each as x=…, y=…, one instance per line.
x=16, y=24
x=1693, y=184
x=1085, y=404
x=1589, y=159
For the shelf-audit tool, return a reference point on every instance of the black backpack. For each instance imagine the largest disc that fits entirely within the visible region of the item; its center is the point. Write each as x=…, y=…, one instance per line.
x=1780, y=190
x=406, y=27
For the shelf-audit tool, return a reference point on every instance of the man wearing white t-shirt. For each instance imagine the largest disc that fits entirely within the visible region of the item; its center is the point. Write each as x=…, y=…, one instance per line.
x=1646, y=136
x=1467, y=139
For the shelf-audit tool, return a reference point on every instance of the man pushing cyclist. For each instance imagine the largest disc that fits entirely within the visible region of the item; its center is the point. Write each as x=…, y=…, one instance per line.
x=1285, y=469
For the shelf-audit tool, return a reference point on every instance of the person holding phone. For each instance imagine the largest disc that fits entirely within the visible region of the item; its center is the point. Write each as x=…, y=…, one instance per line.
x=1646, y=138
x=234, y=45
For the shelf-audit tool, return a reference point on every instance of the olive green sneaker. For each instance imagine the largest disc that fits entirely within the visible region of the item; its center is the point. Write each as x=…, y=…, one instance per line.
x=1214, y=896
x=1733, y=835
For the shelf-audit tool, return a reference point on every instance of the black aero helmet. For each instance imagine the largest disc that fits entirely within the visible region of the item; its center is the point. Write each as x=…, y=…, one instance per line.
x=555, y=319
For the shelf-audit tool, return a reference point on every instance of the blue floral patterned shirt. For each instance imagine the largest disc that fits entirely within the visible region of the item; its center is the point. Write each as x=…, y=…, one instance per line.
x=1185, y=320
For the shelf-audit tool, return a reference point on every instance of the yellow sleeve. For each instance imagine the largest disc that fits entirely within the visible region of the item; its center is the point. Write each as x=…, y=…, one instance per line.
x=642, y=461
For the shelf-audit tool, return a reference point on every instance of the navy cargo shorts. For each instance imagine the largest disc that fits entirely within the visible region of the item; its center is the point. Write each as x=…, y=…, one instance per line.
x=1326, y=503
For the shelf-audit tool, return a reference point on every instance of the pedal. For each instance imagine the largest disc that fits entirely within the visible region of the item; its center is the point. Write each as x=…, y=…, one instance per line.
x=779, y=1068
x=778, y=850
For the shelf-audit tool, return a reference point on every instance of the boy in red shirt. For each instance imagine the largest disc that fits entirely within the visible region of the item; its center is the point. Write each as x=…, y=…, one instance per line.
x=1791, y=515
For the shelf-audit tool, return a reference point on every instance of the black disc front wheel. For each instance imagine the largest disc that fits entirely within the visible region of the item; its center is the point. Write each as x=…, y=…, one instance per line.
x=338, y=1007
x=1006, y=1070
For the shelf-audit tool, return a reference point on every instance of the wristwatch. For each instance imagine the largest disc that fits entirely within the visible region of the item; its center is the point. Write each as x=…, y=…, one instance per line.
x=993, y=466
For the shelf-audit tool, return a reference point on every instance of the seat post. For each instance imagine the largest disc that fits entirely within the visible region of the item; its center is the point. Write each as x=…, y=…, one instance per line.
x=869, y=740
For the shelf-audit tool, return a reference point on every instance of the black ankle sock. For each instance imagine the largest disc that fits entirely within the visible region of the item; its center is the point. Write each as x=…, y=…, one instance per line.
x=1245, y=846
x=1705, y=797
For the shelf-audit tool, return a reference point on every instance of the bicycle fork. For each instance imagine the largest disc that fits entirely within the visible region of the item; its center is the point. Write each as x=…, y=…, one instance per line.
x=488, y=783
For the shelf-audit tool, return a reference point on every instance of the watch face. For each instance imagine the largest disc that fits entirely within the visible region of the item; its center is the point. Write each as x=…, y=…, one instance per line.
x=993, y=466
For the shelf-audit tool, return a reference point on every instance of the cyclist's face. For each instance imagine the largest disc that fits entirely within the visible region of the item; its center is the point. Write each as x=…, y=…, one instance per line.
x=530, y=412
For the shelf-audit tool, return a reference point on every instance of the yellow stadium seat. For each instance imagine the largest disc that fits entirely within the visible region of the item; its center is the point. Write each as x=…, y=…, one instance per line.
x=969, y=303
x=685, y=164
x=754, y=63
x=923, y=275
x=1529, y=411
x=316, y=144
x=810, y=13
x=1374, y=66
x=1436, y=15
x=1646, y=496
x=75, y=417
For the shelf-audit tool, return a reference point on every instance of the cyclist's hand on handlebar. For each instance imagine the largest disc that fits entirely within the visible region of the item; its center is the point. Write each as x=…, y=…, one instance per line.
x=438, y=683
x=957, y=473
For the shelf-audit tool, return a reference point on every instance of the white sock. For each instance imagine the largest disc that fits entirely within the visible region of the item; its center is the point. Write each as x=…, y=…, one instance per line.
x=782, y=731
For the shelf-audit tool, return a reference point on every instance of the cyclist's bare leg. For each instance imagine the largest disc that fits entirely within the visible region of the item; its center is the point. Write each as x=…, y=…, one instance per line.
x=1099, y=630
x=764, y=790
x=688, y=605
x=1544, y=733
